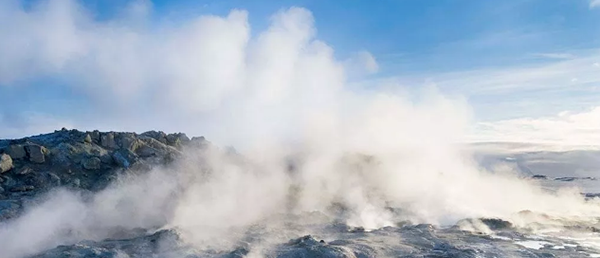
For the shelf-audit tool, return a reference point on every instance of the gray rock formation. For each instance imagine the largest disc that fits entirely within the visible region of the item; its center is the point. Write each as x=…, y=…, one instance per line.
x=16, y=151
x=86, y=161
x=36, y=153
x=107, y=140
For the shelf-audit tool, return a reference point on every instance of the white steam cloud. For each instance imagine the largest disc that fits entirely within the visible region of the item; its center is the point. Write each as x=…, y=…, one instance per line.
x=276, y=95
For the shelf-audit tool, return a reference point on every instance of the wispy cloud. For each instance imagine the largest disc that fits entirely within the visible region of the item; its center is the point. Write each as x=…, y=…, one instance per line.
x=555, y=55
x=540, y=88
x=594, y=3
x=549, y=75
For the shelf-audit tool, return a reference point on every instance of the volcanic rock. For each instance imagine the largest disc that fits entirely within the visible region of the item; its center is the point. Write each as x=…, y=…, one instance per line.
x=16, y=151
x=92, y=163
x=107, y=140
x=36, y=153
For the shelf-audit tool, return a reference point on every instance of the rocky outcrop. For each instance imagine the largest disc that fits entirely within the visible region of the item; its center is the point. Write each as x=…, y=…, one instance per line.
x=82, y=160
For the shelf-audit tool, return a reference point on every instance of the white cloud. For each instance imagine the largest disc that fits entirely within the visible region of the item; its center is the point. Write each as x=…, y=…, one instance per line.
x=524, y=90
x=594, y=3
x=566, y=129
x=206, y=75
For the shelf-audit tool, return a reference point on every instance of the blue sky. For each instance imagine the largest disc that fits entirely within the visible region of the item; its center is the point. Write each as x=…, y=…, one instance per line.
x=510, y=59
x=413, y=35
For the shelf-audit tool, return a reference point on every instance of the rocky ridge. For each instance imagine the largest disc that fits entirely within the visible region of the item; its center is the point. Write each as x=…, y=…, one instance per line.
x=86, y=161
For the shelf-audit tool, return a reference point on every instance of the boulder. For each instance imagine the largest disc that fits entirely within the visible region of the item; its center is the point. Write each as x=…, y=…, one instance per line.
x=129, y=142
x=16, y=151
x=36, y=153
x=177, y=139
x=95, y=135
x=87, y=138
x=6, y=163
x=92, y=163
x=159, y=136
x=124, y=158
x=146, y=151
x=496, y=224
x=107, y=140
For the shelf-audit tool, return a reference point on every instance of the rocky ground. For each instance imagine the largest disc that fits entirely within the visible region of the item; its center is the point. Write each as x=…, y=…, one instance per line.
x=90, y=161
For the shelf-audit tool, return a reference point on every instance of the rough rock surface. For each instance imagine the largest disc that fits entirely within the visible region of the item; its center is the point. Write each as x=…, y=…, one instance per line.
x=82, y=160
x=16, y=151
x=36, y=153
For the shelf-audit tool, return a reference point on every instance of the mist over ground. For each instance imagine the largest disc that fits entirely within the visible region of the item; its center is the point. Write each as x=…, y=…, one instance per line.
x=308, y=147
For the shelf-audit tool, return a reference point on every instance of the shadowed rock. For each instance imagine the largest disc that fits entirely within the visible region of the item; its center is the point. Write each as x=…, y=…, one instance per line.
x=16, y=151
x=36, y=153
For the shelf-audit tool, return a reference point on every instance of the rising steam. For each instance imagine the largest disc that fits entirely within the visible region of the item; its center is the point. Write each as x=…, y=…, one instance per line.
x=280, y=97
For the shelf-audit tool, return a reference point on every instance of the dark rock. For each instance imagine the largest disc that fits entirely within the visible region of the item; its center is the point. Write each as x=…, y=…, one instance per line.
x=591, y=195
x=6, y=163
x=307, y=246
x=95, y=135
x=128, y=141
x=54, y=179
x=76, y=183
x=61, y=155
x=539, y=177
x=357, y=230
x=16, y=151
x=25, y=170
x=124, y=158
x=496, y=224
x=24, y=188
x=135, y=246
x=570, y=178
x=92, y=163
x=36, y=153
x=146, y=151
x=159, y=136
x=8, y=209
x=177, y=139
x=8, y=182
